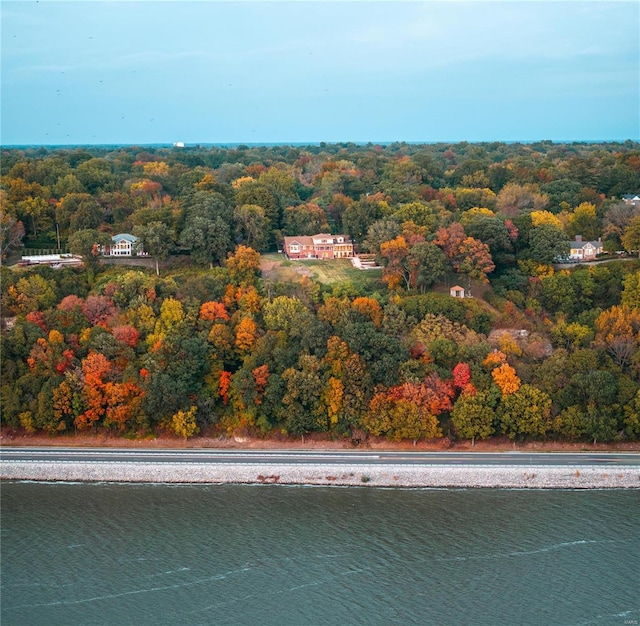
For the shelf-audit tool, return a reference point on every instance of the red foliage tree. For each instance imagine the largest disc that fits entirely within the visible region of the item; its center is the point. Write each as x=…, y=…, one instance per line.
x=461, y=375
x=127, y=335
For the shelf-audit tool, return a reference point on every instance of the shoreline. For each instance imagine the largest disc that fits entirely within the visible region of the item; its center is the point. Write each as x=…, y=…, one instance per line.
x=425, y=476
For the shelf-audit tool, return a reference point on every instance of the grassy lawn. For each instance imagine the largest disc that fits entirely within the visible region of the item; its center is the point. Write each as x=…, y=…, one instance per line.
x=329, y=272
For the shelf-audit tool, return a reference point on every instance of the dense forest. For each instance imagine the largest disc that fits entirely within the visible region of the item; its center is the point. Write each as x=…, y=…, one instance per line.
x=204, y=341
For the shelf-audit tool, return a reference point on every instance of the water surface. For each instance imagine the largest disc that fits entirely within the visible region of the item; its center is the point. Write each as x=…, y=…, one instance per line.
x=159, y=554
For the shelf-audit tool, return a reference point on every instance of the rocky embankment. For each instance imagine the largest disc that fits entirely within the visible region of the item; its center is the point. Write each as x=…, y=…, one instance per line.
x=459, y=476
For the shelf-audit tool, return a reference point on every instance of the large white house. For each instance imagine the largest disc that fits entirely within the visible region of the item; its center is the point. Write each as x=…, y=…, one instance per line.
x=122, y=245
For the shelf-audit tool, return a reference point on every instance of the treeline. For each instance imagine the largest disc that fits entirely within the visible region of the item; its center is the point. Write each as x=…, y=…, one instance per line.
x=525, y=200
x=220, y=349
x=545, y=354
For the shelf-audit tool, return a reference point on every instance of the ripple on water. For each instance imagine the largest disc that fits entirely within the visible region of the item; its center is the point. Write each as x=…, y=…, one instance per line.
x=96, y=554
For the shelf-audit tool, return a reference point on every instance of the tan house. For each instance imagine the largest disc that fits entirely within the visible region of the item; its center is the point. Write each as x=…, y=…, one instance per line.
x=584, y=250
x=321, y=246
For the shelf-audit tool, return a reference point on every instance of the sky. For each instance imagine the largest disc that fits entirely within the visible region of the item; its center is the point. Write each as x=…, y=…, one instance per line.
x=125, y=72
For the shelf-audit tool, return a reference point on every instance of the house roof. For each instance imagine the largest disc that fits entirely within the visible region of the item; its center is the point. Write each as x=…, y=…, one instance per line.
x=124, y=237
x=306, y=240
x=302, y=241
x=456, y=288
x=583, y=244
x=631, y=196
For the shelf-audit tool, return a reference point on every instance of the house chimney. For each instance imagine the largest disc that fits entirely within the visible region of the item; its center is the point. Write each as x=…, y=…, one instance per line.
x=578, y=237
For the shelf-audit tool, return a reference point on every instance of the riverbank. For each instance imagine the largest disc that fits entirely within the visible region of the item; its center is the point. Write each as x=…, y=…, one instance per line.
x=314, y=441
x=533, y=475
x=458, y=476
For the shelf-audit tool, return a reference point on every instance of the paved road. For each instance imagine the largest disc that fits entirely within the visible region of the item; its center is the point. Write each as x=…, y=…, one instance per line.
x=324, y=457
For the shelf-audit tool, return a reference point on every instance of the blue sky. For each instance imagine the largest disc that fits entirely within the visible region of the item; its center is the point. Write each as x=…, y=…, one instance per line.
x=89, y=72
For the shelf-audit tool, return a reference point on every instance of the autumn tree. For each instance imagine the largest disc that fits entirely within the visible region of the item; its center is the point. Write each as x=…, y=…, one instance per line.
x=584, y=221
x=246, y=335
x=631, y=290
x=396, y=272
x=243, y=265
x=408, y=411
x=11, y=234
x=184, y=424
x=506, y=379
x=95, y=368
x=30, y=293
x=466, y=254
x=618, y=329
x=212, y=311
x=515, y=198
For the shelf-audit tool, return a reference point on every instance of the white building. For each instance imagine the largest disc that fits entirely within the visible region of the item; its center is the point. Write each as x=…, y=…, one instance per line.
x=122, y=245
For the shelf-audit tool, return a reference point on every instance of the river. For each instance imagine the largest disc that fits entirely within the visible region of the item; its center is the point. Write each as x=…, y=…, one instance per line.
x=226, y=554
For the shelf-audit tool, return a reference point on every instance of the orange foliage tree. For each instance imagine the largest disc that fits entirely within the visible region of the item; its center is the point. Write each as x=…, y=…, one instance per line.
x=95, y=368
x=506, y=379
x=212, y=311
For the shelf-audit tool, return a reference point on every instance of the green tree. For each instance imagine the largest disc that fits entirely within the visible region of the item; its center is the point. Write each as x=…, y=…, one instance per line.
x=156, y=239
x=631, y=290
x=547, y=244
x=358, y=216
x=631, y=236
x=380, y=232
x=252, y=225
x=87, y=243
x=473, y=416
x=428, y=265
x=208, y=239
x=527, y=412
x=304, y=219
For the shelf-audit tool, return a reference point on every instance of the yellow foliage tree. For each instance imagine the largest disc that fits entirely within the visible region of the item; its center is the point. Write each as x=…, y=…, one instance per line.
x=545, y=217
x=333, y=398
x=156, y=168
x=184, y=423
x=509, y=345
x=243, y=180
x=474, y=213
